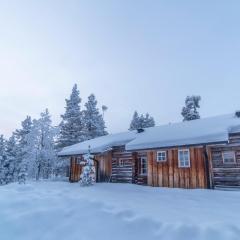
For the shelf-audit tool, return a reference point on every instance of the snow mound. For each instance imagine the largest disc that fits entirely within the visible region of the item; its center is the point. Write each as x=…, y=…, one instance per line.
x=60, y=210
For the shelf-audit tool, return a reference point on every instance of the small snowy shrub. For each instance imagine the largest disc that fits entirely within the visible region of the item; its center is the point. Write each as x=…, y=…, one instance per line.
x=87, y=177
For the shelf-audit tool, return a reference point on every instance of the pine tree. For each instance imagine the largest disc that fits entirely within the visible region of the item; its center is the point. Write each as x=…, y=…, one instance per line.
x=189, y=111
x=11, y=159
x=41, y=155
x=22, y=149
x=71, y=127
x=94, y=125
x=46, y=154
x=87, y=177
x=148, y=121
x=142, y=121
x=2, y=160
x=135, y=121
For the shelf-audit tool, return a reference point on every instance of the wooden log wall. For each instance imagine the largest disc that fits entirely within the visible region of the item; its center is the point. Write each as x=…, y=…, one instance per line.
x=234, y=138
x=225, y=174
x=104, y=167
x=122, y=174
x=75, y=170
x=168, y=173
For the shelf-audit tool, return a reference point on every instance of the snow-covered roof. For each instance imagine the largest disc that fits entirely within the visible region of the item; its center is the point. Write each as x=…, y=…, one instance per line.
x=202, y=131
x=99, y=144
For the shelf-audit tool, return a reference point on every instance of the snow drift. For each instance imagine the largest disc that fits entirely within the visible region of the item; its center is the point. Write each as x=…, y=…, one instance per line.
x=60, y=210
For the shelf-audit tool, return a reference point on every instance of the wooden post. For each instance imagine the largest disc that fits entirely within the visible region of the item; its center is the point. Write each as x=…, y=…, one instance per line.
x=210, y=167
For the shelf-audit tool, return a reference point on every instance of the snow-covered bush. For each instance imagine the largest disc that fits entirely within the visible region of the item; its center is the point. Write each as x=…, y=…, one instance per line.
x=87, y=177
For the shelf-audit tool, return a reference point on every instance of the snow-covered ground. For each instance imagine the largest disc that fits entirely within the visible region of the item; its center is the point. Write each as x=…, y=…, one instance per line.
x=60, y=210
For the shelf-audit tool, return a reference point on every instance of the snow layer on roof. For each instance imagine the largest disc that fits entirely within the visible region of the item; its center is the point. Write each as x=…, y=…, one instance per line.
x=207, y=130
x=202, y=131
x=100, y=144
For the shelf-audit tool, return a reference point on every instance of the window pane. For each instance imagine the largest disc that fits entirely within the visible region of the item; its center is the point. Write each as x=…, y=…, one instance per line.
x=229, y=157
x=184, y=158
x=143, y=165
x=161, y=156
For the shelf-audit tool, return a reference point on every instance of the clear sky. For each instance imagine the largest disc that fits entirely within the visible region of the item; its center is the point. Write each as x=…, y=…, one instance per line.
x=133, y=55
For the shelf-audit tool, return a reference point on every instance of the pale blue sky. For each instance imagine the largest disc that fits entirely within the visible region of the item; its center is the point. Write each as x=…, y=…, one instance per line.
x=143, y=55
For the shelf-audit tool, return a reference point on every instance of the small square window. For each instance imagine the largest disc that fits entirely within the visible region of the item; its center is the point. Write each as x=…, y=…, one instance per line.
x=229, y=157
x=161, y=156
x=121, y=163
x=184, y=158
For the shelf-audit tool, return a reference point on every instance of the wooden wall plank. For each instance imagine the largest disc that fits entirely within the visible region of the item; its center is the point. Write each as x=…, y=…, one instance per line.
x=193, y=170
x=150, y=169
x=160, y=175
x=171, y=168
x=155, y=174
x=175, y=168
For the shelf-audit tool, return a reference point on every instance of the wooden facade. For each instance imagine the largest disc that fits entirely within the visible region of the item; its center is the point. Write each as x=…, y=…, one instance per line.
x=207, y=168
x=169, y=174
x=120, y=166
x=75, y=170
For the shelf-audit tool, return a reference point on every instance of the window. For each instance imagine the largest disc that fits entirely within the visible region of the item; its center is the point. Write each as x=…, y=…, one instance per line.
x=183, y=158
x=121, y=163
x=229, y=157
x=161, y=156
x=143, y=166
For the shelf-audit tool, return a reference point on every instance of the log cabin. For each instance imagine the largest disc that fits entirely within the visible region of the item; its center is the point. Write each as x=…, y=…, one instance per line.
x=203, y=153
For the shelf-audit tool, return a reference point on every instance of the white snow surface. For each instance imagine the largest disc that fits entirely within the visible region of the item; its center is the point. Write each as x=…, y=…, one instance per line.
x=202, y=131
x=99, y=144
x=106, y=211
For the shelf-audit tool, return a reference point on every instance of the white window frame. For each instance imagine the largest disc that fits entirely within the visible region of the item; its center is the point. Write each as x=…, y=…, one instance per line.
x=121, y=162
x=160, y=158
x=141, y=164
x=184, y=160
x=227, y=152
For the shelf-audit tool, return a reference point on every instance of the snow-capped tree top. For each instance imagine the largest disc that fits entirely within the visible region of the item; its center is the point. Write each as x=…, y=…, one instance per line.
x=2, y=146
x=189, y=111
x=71, y=127
x=141, y=121
x=24, y=131
x=72, y=105
x=94, y=125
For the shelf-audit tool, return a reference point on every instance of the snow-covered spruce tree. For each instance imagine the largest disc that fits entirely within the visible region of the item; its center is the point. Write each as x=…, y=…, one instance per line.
x=22, y=149
x=142, y=121
x=71, y=127
x=42, y=156
x=87, y=177
x=11, y=159
x=135, y=121
x=94, y=125
x=2, y=160
x=189, y=111
x=148, y=121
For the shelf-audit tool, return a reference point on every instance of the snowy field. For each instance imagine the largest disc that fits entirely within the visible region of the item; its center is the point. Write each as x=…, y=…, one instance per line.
x=60, y=210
